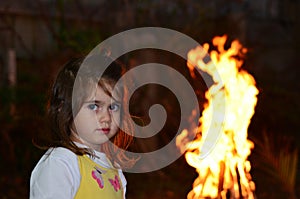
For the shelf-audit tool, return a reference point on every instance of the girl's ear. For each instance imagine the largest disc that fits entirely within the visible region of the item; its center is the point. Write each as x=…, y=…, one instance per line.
x=60, y=105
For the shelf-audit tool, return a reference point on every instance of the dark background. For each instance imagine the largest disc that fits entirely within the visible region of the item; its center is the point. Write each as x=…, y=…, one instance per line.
x=44, y=34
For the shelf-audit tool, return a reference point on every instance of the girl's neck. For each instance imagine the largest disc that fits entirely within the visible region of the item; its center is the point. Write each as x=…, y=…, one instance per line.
x=81, y=143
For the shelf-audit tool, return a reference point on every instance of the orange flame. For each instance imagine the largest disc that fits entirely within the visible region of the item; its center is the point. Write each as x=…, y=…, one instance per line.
x=225, y=170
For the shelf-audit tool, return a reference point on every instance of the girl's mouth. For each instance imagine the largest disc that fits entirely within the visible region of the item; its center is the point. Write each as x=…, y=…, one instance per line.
x=105, y=130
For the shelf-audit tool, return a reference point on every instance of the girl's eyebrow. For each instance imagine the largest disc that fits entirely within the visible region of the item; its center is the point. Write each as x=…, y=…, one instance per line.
x=100, y=102
x=94, y=102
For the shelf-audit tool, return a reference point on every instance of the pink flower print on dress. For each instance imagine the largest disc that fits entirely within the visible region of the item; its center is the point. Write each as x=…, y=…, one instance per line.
x=115, y=183
x=97, y=175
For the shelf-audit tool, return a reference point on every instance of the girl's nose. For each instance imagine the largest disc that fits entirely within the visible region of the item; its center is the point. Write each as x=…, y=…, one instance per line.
x=104, y=116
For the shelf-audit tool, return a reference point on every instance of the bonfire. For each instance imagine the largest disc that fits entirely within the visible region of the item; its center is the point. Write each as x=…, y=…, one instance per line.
x=220, y=150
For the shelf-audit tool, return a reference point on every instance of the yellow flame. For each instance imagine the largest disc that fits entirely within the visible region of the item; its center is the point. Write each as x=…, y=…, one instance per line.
x=232, y=98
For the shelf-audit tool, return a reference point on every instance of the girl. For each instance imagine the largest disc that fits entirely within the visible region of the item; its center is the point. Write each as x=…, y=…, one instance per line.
x=86, y=144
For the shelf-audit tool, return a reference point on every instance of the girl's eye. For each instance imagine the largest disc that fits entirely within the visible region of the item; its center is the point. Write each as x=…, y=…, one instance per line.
x=114, y=107
x=93, y=107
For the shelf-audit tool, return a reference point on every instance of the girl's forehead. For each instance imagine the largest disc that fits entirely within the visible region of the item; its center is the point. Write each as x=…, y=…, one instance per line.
x=104, y=92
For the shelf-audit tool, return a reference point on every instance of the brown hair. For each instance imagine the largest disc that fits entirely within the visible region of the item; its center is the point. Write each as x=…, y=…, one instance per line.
x=61, y=108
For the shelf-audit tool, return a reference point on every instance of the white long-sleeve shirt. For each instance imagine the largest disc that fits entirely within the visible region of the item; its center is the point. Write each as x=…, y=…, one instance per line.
x=57, y=174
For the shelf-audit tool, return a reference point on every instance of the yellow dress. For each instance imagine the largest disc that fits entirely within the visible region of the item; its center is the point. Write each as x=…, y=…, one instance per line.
x=97, y=181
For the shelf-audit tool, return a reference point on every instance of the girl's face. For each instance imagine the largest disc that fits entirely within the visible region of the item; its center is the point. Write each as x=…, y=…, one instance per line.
x=97, y=120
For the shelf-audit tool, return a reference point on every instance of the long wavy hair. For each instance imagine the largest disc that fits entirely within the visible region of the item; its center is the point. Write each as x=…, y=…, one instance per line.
x=66, y=100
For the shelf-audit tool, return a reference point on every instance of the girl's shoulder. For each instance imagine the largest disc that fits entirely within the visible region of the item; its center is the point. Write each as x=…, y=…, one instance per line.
x=58, y=158
x=56, y=172
x=60, y=152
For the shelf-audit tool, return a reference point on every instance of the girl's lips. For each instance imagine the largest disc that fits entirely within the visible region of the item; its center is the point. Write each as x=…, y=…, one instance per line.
x=105, y=130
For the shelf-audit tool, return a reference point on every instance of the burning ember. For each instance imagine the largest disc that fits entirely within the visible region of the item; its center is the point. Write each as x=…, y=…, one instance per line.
x=225, y=171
